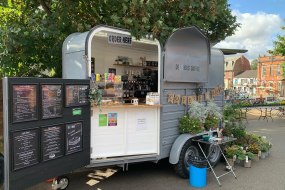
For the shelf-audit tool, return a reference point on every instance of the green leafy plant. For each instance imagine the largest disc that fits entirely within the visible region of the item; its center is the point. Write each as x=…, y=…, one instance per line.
x=95, y=95
x=232, y=151
x=248, y=154
x=189, y=124
x=254, y=148
x=213, y=116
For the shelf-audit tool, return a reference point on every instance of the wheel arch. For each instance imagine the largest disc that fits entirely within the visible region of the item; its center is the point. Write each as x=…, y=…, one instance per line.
x=177, y=147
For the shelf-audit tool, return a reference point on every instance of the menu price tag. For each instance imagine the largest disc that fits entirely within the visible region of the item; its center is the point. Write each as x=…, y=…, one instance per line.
x=25, y=148
x=51, y=101
x=52, y=142
x=73, y=137
x=24, y=103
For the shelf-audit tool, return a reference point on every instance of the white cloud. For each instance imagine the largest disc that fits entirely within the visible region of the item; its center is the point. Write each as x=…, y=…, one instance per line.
x=256, y=33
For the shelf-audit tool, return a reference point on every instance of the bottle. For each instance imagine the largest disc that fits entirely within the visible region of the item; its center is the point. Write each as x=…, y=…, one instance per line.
x=210, y=134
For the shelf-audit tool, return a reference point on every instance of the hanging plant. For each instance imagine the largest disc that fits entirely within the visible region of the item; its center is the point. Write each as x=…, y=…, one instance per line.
x=95, y=95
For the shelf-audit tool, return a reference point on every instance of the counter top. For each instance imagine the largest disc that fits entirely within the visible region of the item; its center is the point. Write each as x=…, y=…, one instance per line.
x=131, y=106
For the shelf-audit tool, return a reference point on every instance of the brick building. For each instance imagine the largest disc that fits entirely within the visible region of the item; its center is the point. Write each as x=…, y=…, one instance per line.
x=233, y=67
x=270, y=78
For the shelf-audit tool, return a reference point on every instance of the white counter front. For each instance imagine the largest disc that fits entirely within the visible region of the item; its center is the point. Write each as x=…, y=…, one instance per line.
x=124, y=130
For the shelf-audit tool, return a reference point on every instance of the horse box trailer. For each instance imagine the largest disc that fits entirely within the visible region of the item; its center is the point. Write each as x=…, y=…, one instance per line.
x=142, y=132
x=49, y=128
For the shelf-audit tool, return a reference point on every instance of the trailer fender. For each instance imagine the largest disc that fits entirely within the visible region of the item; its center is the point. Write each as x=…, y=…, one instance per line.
x=177, y=146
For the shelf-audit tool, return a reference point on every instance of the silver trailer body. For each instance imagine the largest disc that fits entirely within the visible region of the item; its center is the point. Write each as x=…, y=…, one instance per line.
x=185, y=63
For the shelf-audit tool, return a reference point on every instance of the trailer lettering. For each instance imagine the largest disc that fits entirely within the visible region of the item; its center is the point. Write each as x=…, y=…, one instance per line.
x=182, y=67
x=119, y=39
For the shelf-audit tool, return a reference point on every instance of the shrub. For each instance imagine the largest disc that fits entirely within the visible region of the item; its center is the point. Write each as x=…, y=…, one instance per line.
x=189, y=124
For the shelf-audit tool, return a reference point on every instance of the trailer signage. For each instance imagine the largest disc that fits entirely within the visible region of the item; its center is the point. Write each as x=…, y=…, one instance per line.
x=43, y=136
x=119, y=39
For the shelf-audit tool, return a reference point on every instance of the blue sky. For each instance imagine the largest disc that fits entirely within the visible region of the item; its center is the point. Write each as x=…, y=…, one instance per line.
x=261, y=22
x=253, y=6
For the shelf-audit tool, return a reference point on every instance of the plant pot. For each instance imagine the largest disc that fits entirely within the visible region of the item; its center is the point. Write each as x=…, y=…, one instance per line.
x=231, y=162
x=263, y=155
x=239, y=162
x=247, y=164
x=267, y=153
x=256, y=157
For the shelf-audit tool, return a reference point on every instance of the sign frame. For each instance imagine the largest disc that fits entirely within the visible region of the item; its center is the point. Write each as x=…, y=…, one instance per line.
x=25, y=177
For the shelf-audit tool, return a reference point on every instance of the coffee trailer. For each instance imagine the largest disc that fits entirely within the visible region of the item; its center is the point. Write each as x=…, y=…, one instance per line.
x=142, y=82
x=143, y=132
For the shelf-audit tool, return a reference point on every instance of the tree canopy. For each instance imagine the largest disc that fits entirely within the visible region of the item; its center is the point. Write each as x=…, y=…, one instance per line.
x=279, y=45
x=253, y=64
x=32, y=31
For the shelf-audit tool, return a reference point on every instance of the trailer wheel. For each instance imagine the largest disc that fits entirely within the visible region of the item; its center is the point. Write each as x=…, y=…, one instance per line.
x=182, y=167
x=62, y=182
x=213, y=153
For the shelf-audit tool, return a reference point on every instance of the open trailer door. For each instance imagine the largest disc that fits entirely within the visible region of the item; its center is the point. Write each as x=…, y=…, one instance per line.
x=46, y=129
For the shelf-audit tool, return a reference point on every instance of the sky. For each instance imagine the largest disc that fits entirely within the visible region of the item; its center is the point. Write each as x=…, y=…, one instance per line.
x=261, y=22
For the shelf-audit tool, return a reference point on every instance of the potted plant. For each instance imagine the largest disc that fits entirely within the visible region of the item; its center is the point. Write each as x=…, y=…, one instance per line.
x=231, y=154
x=246, y=157
x=264, y=149
x=190, y=125
x=213, y=115
x=254, y=149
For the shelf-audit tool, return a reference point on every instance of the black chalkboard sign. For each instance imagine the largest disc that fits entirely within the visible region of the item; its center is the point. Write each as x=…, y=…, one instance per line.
x=51, y=101
x=76, y=95
x=43, y=137
x=25, y=148
x=24, y=103
x=73, y=137
x=52, y=142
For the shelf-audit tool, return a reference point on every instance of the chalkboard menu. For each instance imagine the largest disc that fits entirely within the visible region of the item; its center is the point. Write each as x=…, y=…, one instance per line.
x=52, y=142
x=25, y=148
x=76, y=95
x=24, y=103
x=51, y=101
x=73, y=137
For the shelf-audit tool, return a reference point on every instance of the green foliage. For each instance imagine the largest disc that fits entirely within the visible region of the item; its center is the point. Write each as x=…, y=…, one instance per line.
x=231, y=112
x=32, y=32
x=253, y=64
x=95, y=95
x=232, y=151
x=279, y=45
x=211, y=122
x=190, y=125
x=248, y=154
x=254, y=148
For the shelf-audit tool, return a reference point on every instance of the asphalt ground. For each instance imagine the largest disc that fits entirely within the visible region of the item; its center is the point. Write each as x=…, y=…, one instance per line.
x=266, y=174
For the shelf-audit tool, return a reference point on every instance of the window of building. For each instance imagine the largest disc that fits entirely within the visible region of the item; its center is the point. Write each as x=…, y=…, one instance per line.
x=271, y=70
x=251, y=81
x=243, y=81
x=278, y=73
x=233, y=62
x=279, y=86
x=264, y=71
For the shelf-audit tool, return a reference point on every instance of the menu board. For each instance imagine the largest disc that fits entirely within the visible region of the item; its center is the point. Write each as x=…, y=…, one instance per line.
x=73, y=137
x=76, y=95
x=52, y=142
x=24, y=103
x=51, y=101
x=25, y=148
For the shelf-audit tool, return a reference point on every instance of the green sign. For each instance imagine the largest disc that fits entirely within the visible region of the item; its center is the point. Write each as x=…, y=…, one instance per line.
x=76, y=111
x=103, y=120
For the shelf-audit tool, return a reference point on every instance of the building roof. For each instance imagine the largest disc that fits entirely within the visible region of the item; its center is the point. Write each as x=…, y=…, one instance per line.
x=247, y=74
x=232, y=51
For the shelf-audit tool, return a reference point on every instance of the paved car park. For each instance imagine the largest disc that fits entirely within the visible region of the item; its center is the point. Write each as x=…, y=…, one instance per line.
x=264, y=174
